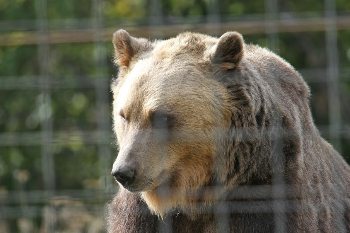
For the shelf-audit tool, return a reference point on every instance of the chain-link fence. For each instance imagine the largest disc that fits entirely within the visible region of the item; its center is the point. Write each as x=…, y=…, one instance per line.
x=56, y=141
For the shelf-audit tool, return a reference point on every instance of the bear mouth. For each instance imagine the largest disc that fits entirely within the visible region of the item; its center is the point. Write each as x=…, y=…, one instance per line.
x=162, y=184
x=140, y=186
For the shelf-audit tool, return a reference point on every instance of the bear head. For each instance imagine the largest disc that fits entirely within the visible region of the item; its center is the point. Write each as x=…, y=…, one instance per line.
x=190, y=113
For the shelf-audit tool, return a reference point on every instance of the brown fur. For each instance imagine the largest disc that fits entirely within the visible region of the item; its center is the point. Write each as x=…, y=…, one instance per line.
x=237, y=145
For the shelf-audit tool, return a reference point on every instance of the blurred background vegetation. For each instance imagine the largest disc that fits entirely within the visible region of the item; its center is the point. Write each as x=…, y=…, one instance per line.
x=56, y=143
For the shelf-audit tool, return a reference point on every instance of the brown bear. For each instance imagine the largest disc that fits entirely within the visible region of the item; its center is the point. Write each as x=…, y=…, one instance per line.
x=216, y=135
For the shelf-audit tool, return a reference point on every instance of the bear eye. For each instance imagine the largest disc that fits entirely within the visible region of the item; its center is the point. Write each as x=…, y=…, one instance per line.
x=161, y=120
x=122, y=115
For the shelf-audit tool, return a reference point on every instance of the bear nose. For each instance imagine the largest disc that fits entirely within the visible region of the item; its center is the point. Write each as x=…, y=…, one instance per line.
x=125, y=175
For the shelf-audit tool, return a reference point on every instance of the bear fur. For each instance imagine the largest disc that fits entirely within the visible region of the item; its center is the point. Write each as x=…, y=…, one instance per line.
x=221, y=139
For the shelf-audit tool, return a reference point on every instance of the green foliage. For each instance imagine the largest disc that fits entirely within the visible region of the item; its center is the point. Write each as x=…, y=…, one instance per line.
x=342, y=6
x=74, y=109
x=20, y=111
x=71, y=60
x=184, y=8
x=20, y=168
x=77, y=69
x=69, y=9
x=239, y=8
x=77, y=166
x=132, y=10
x=17, y=9
x=19, y=61
x=344, y=49
x=308, y=49
x=315, y=7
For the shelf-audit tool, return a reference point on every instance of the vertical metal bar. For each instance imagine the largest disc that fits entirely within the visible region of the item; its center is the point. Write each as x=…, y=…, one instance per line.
x=334, y=111
x=45, y=100
x=47, y=160
x=102, y=91
x=155, y=17
x=271, y=10
x=214, y=16
x=221, y=210
x=278, y=181
x=333, y=87
x=155, y=13
x=278, y=171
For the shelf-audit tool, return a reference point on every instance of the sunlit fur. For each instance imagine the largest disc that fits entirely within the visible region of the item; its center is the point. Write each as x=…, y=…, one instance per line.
x=153, y=83
x=242, y=116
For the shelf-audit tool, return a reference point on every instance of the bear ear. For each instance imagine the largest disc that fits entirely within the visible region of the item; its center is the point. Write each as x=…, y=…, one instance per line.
x=229, y=50
x=127, y=47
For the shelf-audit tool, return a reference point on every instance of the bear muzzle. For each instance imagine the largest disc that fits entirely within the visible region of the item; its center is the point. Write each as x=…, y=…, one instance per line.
x=125, y=175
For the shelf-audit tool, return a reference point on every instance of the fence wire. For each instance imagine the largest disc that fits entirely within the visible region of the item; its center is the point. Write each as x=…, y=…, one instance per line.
x=48, y=207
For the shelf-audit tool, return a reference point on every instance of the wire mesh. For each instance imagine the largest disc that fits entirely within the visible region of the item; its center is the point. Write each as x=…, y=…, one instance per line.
x=48, y=205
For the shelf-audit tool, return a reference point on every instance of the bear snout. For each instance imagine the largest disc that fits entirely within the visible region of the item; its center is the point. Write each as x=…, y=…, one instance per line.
x=124, y=175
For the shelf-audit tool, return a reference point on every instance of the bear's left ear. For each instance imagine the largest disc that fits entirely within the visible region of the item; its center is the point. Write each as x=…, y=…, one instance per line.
x=127, y=47
x=229, y=50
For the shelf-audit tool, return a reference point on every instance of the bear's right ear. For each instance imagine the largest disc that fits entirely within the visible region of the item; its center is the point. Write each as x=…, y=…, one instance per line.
x=229, y=50
x=127, y=47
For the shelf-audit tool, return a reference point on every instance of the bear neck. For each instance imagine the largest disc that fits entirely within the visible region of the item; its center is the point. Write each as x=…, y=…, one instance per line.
x=274, y=148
